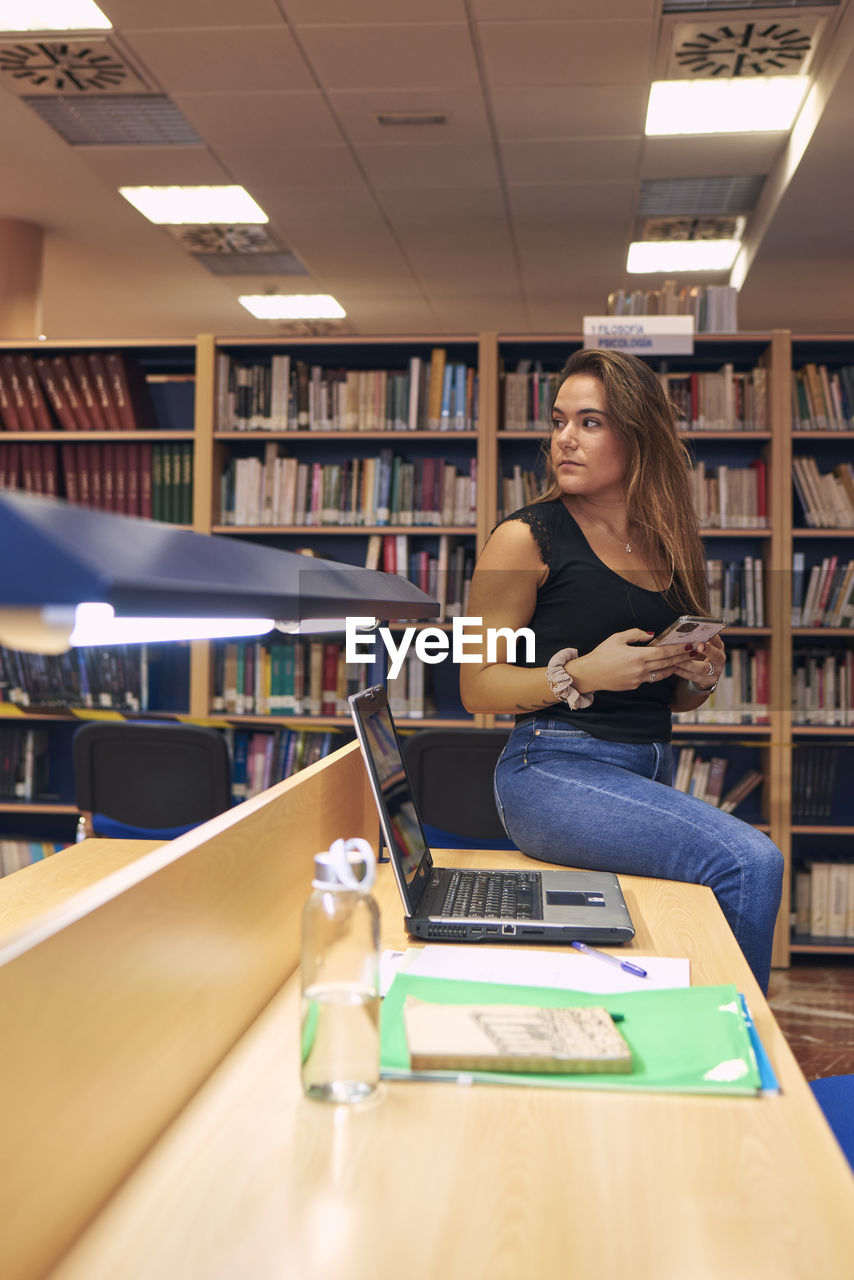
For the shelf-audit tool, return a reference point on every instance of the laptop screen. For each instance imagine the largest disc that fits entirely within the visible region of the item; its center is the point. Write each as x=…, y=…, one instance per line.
x=398, y=816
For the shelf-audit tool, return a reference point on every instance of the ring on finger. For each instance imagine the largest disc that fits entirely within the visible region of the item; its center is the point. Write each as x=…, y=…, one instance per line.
x=652, y=677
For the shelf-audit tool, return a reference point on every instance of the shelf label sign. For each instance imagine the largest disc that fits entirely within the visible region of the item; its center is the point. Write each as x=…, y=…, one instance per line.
x=641, y=335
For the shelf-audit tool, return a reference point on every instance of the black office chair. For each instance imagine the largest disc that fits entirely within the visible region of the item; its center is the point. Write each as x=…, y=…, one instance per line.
x=451, y=773
x=149, y=780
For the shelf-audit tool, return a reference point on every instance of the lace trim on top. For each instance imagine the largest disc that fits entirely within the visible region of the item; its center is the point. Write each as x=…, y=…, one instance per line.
x=539, y=531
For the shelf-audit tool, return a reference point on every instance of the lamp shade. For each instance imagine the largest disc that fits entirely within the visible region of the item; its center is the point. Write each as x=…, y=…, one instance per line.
x=57, y=554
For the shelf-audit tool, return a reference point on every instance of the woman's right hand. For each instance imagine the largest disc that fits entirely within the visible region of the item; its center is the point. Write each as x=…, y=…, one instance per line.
x=623, y=661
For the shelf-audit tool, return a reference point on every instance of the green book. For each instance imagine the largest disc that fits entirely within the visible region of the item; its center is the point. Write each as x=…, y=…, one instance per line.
x=683, y=1040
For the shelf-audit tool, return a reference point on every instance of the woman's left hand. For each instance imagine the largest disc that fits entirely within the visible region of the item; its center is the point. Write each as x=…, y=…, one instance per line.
x=704, y=664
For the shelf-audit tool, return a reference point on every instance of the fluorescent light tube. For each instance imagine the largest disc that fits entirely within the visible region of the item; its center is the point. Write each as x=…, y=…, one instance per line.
x=96, y=624
x=681, y=255
x=173, y=206
x=296, y=306
x=740, y=105
x=52, y=15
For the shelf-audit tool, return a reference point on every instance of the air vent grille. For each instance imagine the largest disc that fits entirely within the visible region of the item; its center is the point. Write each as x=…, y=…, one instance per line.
x=697, y=197
x=252, y=264
x=412, y=118
x=211, y=237
x=725, y=6
x=70, y=67
x=147, y=120
x=677, y=228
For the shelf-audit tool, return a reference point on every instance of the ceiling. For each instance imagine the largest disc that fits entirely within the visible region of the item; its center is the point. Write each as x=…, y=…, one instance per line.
x=514, y=215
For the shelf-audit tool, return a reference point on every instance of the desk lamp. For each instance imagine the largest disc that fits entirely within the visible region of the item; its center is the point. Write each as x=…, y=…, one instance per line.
x=138, y=580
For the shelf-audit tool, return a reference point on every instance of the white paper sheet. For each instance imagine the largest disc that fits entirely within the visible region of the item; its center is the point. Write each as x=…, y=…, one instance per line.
x=534, y=968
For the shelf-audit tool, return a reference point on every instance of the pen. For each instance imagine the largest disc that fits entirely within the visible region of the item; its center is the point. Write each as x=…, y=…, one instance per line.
x=625, y=965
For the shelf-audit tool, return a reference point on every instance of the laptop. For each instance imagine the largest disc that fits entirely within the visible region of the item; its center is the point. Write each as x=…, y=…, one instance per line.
x=461, y=905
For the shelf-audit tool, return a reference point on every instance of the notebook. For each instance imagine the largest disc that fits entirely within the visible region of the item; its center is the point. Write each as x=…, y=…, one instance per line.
x=494, y=905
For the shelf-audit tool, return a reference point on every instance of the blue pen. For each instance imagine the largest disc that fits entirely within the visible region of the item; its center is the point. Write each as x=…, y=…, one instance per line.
x=625, y=965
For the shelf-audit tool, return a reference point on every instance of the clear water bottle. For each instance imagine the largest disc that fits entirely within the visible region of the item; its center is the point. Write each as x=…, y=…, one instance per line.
x=340, y=976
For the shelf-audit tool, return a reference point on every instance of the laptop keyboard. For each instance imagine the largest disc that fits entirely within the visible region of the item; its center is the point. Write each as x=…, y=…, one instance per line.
x=500, y=895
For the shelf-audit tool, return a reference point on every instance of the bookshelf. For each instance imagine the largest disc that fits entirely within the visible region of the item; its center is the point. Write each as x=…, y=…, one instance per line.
x=748, y=426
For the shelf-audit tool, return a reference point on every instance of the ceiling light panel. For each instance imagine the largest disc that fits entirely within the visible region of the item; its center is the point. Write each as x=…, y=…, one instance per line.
x=312, y=306
x=172, y=206
x=681, y=255
x=144, y=120
x=729, y=105
x=52, y=15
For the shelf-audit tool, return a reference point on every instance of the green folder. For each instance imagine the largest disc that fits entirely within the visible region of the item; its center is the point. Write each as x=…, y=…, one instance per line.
x=683, y=1040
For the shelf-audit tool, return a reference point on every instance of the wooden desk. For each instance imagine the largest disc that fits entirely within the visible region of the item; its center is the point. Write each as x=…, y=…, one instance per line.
x=430, y=1181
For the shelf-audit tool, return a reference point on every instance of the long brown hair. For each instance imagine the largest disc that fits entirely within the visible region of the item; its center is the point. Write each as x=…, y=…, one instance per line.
x=659, y=503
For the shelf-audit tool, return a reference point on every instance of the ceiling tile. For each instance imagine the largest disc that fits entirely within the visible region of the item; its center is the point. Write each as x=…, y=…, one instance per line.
x=156, y=166
x=357, y=113
x=391, y=56
x=712, y=154
x=326, y=207
x=268, y=119
x=566, y=53
x=516, y=10
x=475, y=236
x=575, y=205
x=302, y=166
x=439, y=166
x=154, y=15
x=335, y=12
x=562, y=162
x=584, y=111
x=257, y=59
x=441, y=206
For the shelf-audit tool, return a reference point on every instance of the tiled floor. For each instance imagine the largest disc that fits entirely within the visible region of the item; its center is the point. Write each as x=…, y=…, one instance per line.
x=813, y=1002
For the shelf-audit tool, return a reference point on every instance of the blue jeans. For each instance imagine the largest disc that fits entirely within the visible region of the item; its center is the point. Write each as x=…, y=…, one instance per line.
x=567, y=797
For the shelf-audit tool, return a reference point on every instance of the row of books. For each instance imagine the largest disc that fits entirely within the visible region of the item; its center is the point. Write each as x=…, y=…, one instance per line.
x=150, y=480
x=445, y=576
x=737, y=590
x=261, y=757
x=386, y=489
x=434, y=394
x=823, y=688
x=719, y=401
x=714, y=307
x=24, y=762
x=824, y=900
x=823, y=399
x=814, y=772
x=743, y=694
x=824, y=596
x=706, y=779
x=83, y=391
x=110, y=678
x=730, y=497
x=19, y=851
x=827, y=498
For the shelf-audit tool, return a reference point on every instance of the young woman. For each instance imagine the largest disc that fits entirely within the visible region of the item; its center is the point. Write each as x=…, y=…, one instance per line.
x=608, y=556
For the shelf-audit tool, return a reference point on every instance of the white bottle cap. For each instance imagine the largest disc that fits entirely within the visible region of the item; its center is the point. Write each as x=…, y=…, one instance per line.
x=349, y=864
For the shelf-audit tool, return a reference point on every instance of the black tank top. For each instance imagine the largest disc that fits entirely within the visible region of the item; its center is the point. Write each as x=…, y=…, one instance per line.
x=581, y=603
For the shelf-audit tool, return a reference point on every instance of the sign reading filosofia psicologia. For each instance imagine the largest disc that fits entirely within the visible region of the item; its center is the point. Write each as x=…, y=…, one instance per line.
x=641, y=335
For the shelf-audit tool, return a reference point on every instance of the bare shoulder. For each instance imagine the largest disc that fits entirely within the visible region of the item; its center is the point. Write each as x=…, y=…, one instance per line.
x=513, y=546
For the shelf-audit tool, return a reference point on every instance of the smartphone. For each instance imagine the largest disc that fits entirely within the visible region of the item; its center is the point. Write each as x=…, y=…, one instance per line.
x=690, y=630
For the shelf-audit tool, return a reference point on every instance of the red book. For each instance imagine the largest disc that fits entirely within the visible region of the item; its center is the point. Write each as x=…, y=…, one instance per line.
x=49, y=379
x=50, y=479
x=130, y=392
x=108, y=476
x=70, y=393
x=329, y=693
x=131, y=471
x=120, y=478
x=84, y=488
x=101, y=387
x=92, y=453
x=28, y=481
x=389, y=556
x=15, y=389
x=758, y=466
x=33, y=394
x=145, y=508
x=85, y=382
x=8, y=412
x=69, y=472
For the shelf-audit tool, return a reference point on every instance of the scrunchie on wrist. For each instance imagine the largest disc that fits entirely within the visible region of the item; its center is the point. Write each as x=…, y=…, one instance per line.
x=560, y=681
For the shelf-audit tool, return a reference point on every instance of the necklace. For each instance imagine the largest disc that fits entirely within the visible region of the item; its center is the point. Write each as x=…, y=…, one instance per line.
x=625, y=545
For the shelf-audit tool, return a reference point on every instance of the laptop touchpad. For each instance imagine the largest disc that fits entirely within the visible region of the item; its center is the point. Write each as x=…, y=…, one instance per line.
x=572, y=898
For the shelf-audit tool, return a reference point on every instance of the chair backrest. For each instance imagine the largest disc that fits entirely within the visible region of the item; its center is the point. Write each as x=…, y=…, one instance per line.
x=451, y=772
x=152, y=778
